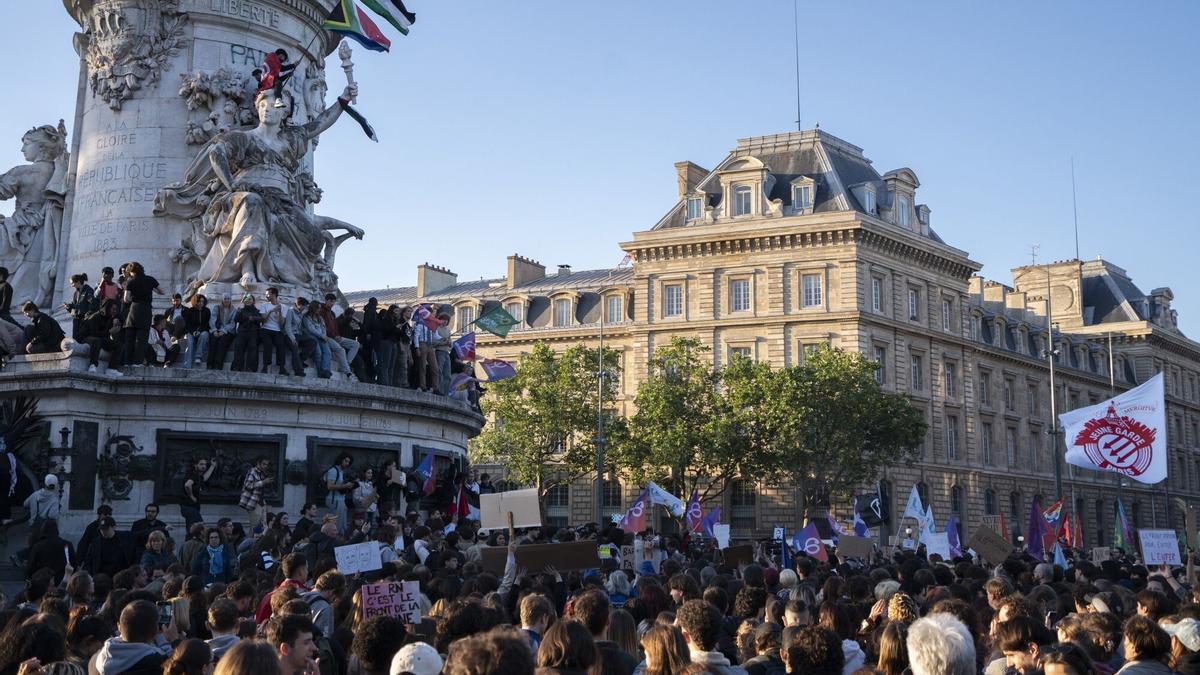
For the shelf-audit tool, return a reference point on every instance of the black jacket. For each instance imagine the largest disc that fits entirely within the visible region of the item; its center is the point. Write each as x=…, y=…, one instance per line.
x=49, y=553
x=765, y=664
x=107, y=556
x=46, y=332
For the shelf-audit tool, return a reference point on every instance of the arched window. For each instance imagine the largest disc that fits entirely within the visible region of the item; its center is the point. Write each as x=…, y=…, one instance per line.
x=956, y=500
x=1099, y=522
x=923, y=493
x=989, y=502
x=612, y=494
x=1014, y=513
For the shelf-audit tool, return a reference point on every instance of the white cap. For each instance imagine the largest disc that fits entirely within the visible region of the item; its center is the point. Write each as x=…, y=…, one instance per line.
x=417, y=658
x=1187, y=631
x=51, y=480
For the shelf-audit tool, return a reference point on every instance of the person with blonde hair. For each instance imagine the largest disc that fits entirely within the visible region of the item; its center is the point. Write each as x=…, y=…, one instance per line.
x=249, y=656
x=157, y=558
x=666, y=651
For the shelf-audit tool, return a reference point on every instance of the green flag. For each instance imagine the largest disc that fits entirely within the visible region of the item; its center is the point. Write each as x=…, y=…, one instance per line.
x=496, y=321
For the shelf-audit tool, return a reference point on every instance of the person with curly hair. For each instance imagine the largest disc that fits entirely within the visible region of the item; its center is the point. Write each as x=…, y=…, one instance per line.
x=375, y=643
x=701, y=623
x=500, y=651
x=814, y=651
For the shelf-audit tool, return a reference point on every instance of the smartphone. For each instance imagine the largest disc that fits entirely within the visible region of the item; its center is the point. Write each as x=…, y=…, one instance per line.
x=166, y=612
x=1051, y=619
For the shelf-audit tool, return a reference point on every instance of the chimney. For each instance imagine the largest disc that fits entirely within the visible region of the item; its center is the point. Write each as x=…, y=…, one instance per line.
x=564, y=270
x=431, y=279
x=522, y=270
x=690, y=175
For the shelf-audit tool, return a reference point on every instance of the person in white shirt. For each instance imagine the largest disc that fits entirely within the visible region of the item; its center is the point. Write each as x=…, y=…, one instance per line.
x=271, y=334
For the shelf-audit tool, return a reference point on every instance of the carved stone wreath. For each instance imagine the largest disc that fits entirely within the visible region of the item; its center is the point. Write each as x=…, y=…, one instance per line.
x=119, y=465
x=129, y=43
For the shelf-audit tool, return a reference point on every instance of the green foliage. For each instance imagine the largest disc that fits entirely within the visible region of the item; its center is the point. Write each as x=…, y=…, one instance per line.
x=685, y=434
x=824, y=426
x=542, y=423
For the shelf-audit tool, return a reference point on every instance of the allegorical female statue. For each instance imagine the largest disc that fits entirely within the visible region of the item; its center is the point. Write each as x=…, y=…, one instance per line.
x=29, y=237
x=250, y=192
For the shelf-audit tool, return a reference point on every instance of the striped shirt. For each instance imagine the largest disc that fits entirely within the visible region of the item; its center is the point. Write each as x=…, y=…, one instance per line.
x=252, y=490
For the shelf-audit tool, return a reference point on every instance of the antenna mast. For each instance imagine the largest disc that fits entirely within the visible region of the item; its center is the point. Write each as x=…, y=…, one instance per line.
x=1074, y=207
x=796, y=44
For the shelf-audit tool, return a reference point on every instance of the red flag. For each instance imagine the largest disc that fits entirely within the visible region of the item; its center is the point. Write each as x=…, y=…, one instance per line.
x=809, y=541
x=635, y=519
x=1004, y=527
x=1077, y=538
x=425, y=315
x=462, y=506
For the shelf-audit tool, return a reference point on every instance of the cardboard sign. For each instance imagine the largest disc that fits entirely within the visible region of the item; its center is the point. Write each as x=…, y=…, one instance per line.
x=739, y=555
x=397, y=476
x=721, y=534
x=628, y=558
x=1160, y=546
x=524, y=505
x=993, y=548
x=855, y=547
x=937, y=542
x=993, y=523
x=393, y=598
x=777, y=535
x=571, y=555
x=1100, y=554
x=357, y=558
x=604, y=552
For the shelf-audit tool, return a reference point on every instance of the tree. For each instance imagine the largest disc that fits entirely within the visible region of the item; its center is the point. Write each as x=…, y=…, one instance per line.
x=825, y=426
x=685, y=433
x=542, y=423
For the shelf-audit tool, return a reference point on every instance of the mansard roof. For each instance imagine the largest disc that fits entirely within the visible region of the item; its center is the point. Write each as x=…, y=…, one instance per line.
x=497, y=289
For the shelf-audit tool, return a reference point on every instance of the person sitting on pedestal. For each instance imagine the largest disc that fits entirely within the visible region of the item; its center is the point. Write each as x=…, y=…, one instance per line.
x=43, y=334
x=161, y=348
x=245, y=345
x=198, y=322
x=101, y=331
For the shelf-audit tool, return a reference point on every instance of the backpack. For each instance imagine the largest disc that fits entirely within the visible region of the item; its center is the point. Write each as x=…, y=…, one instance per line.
x=326, y=657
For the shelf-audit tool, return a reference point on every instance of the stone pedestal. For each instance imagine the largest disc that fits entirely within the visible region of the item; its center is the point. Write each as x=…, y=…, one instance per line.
x=133, y=437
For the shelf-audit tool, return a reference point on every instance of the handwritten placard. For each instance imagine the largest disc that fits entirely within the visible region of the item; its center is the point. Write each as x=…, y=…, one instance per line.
x=1160, y=546
x=1101, y=554
x=993, y=548
x=721, y=534
x=523, y=504
x=855, y=547
x=357, y=558
x=937, y=542
x=400, y=599
x=628, y=558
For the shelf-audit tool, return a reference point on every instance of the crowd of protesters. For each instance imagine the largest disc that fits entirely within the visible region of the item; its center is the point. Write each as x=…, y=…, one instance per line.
x=381, y=345
x=266, y=597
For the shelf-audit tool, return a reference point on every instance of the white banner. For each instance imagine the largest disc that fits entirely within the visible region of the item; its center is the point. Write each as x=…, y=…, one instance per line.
x=660, y=496
x=1126, y=434
x=914, y=509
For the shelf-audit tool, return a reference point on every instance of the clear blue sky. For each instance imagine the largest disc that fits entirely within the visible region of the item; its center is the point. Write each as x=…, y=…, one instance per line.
x=549, y=128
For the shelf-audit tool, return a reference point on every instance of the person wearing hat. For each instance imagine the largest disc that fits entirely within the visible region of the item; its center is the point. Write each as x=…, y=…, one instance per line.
x=106, y=554
x=43, y=503
x=417, y=658
x=1185, y=645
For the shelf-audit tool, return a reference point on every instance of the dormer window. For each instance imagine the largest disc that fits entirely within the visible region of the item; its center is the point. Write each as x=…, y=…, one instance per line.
x=902, y=209
x=802, y=197
x=695, y=208
x=869, y=199
x=743, y=200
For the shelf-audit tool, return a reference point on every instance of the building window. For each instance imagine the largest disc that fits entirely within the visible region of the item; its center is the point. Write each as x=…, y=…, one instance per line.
x=742, y=199
x=739, y=295
x=876, y=294
x=989, y=502
x=562, y=312
x=558, y=502
x=802, y=197
x=951, y=375
x=985, y=443
x=812, y=290
x=612, y=495
x=985, y=389
x=1009, y=399
x=947, y=308
x=869, y=195
x=1010, y=446
x=881, y=359
x=975, y=325
x=1032, y=394
x=914, y=304
x=951, y=437
x=735, y=352
x=1035, y=455
x=695, y=208
x=673, y=300
x=917, y=373
x=466, y=316
x=956, y=501
x=516, y=310
x=923, y=493
x=614, y=309
x=902, y=208
x=1014, y=515
x=742, y=503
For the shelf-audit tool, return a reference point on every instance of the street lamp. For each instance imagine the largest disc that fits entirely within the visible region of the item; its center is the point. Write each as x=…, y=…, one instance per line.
x=1021, y=539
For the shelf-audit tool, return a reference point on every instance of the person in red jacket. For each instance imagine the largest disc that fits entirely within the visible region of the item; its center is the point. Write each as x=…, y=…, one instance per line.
x=295, y=572
x=274, y=73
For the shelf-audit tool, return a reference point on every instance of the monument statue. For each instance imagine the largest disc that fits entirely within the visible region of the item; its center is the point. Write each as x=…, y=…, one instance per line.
x=127, y=43
x=29, y=237
x=250, y=192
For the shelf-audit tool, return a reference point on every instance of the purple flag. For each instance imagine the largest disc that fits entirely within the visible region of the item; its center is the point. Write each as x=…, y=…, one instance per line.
x=1037, y=529
x=952, y=537
x=711, y=519
x=498, y=369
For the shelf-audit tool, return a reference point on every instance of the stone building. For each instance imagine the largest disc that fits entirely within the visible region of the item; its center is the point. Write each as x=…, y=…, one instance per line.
x=795, y=240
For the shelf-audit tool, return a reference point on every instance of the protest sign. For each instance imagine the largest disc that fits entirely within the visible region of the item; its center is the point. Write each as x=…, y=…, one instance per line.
x=400, y=599
x=855, y=547
x=523, y=504
x=604, y=552
x=908, y=544
x=721, y=534
x=1100, y=554
x=573, y=555
x=1160, y=546
x=777, y=535
x=739, y=555
x=993, y=523
x=357, y=558
x=937, y=542
x=993, y=548
x=628, y=558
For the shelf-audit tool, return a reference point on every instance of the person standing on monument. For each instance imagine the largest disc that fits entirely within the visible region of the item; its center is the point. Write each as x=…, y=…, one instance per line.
x=245, y=343
x=193, y=488
x=80, y=304
x=274, y=315
x=224, y=326
x=139, y=293
x=6, y=295
x=441, y=345
x=338, y=485
x=252, y=499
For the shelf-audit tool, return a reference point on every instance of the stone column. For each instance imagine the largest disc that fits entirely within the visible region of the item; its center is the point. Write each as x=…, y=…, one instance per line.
x=162, y=77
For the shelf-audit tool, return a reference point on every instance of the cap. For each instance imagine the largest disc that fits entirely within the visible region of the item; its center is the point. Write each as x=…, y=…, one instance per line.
x=107, y=522
x=1187, y=631
x=417, y=658
x=51, y=480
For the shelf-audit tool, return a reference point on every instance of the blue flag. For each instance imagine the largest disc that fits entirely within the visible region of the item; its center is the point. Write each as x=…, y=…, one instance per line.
x=860, y=526
x=711, y=519
x=1059, y=558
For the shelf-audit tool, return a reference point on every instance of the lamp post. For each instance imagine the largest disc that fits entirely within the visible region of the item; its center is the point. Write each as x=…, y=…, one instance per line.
x=600, y=421
x=1051, y=352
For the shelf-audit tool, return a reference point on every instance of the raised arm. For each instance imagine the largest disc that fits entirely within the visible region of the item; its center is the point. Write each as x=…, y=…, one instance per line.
x=330, y=115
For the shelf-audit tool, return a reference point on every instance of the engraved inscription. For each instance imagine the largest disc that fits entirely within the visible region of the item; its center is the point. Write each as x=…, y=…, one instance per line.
x=250, y=11
x=241, y=55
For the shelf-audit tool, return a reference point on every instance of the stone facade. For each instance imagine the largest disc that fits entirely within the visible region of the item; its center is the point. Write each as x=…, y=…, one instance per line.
x=795, y=240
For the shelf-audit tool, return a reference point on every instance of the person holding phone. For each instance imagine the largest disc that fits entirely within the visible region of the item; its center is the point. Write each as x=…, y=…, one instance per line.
x=143, y=643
